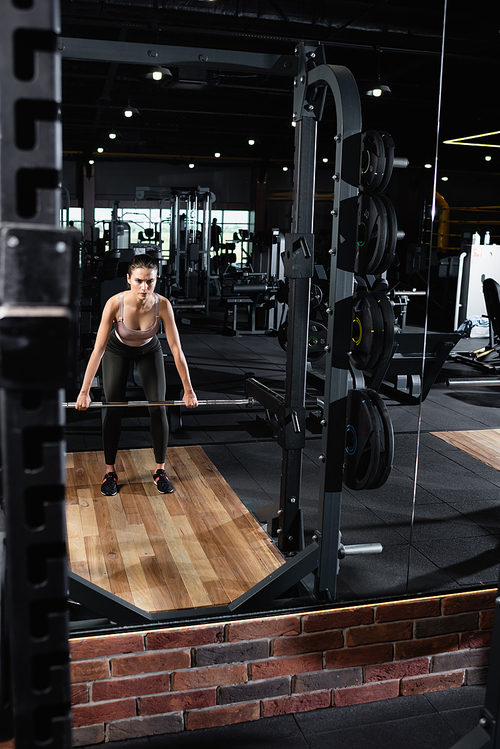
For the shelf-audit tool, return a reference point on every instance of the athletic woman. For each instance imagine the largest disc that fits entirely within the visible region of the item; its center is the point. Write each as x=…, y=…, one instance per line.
x=127, y=332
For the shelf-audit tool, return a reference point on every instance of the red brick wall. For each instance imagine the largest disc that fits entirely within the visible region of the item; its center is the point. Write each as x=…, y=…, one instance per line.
x=186, y=678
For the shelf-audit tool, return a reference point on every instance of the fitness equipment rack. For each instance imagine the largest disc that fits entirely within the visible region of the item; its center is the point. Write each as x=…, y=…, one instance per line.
x=38, y=322
x=189, y=244
x=313, y=78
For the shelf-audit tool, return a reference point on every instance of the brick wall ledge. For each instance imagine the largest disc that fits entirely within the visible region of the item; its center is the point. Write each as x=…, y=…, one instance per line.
x=185, y=678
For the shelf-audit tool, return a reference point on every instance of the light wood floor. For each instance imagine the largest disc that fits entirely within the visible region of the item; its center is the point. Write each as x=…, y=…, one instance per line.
x=196, y=547
x=483, y=444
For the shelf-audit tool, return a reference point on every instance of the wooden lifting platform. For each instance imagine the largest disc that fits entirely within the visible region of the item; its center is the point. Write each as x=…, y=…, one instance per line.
x=198, y=547
x=483, y=444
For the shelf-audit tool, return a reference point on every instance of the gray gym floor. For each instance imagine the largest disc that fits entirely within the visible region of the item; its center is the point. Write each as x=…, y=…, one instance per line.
x=453, y=543
x=436, y=720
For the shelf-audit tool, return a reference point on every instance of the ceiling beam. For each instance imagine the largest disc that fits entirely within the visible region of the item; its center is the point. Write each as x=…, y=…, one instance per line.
x=158, y=54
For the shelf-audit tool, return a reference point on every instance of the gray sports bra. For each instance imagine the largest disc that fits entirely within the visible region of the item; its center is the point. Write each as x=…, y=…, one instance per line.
x=136, y=337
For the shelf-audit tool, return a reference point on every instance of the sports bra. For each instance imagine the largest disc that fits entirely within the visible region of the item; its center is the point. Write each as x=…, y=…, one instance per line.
x=136, y=337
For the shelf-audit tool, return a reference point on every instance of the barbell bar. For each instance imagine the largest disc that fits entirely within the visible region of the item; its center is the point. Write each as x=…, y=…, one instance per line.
x=132, y=404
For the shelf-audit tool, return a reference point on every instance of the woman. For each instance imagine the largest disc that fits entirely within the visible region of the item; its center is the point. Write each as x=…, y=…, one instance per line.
x=127, y=332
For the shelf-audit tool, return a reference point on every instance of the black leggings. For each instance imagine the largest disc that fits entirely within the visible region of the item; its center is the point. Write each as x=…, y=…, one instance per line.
x=115, y=369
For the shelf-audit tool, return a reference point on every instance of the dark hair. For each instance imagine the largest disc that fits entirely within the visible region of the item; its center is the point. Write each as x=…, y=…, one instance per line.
x=142, y=261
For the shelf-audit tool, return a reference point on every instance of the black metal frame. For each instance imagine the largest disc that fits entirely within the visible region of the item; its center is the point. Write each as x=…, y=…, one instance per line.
x=312, y=80
x=38, y=334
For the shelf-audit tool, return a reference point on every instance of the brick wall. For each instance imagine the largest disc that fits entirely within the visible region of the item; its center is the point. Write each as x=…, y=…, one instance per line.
x=186, y=678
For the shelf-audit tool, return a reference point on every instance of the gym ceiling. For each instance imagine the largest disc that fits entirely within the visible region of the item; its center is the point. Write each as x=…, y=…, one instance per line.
x=194, y=112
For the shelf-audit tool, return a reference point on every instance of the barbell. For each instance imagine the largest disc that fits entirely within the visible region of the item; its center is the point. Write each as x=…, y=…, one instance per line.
x=133, y=404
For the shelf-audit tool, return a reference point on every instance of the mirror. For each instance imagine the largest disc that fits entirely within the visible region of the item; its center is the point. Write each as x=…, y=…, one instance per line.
x=423, y=519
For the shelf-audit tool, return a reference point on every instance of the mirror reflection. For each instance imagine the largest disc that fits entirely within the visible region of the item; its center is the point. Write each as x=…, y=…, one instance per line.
x=206, y=172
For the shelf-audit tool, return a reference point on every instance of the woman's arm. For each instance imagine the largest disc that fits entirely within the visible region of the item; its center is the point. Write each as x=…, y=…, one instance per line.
x=174, y=342
x=108, y=316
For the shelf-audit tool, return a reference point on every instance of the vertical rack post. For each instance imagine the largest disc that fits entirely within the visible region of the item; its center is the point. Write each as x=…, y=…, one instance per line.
x=38, y=325
x=342, y=254
x=298, y=265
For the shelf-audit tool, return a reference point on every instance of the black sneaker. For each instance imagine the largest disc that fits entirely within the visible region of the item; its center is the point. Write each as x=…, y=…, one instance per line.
x=163, y=483
x=109, y=486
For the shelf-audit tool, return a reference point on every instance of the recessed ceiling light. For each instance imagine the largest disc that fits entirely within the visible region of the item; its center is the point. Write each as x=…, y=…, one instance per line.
x=444, y=179
x=112, y=135
x=100, y=149
x=217, y=155
x=428, y=166
x=251, y=142
x=325, y=160
x=191, y=166
x=285, y=169
x=487, y=158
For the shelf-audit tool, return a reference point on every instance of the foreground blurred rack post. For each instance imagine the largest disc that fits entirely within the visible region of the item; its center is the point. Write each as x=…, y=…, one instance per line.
x=38, y=333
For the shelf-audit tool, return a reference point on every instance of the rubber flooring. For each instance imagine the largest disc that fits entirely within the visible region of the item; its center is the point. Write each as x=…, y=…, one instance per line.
x=439, y=528
x=437, y=720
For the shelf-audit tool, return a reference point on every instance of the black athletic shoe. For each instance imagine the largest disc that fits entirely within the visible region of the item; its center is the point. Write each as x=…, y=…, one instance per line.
x=109, y=486
x=163, y=483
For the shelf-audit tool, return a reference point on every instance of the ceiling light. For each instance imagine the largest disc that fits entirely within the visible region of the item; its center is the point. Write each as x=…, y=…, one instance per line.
x=91, y=161
x=378, y=89
x=191, y=166
x=217, y=155
x=427, y=166
x=294, y=124
x=285, y=169
x=100, y=149
x=444, y=179
x=156, y=74
x=325, y=160
x=251, y=142
x=130, y=111
x=487, y=158
x=112, y=135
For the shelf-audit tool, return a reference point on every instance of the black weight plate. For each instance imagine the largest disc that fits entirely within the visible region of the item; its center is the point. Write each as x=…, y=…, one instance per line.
x=373, y=161
x=316, y=341
x=387, y=455
x=388, y=323
x=367, y=331
x=365, y=440
x=372, y=233
x=389, y=160
x=392, y=237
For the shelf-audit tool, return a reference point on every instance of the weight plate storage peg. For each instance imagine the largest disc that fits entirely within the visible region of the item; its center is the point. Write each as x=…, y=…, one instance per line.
x=369, y=447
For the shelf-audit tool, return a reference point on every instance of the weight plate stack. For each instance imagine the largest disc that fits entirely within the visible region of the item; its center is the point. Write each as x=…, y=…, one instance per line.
x=316, y=340
x=369, y=448
x=367, y=331
x=372, y=233
x=389, y=160
x=373, y=161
